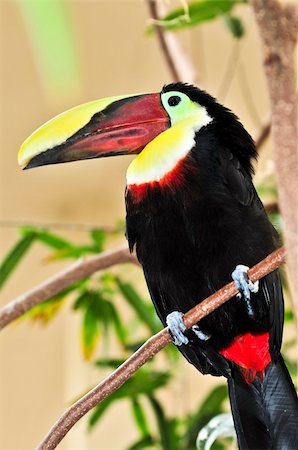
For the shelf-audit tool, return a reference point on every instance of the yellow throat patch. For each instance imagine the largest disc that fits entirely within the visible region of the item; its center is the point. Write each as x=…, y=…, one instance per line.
x=162, y=154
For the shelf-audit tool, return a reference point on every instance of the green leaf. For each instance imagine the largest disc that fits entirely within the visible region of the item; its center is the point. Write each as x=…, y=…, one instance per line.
x=99, y=237
x=89, y=333
x=48, y=309
x=144, y=310
x=174, y=425
x=64, y=248
x=53, y=241
x=162, y=422
x=235, y=26
x=104, y=314
x=289, y=315
x=98, y=411
x=198, y=12
x=109, y=362
x=146, y=442
x=132, y=347
x=211, y=406
x=73, y=252
x=14, y=256
x=140, y=417
x=143, y=382
x=45, y=311
x=82, y=301
x=120, y=330
x=47, y=237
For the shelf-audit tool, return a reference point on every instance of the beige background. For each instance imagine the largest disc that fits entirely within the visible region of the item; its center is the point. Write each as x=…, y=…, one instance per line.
x=41, y=368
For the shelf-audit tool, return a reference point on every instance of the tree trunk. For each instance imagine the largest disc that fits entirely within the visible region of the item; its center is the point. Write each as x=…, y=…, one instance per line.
x=278, y=25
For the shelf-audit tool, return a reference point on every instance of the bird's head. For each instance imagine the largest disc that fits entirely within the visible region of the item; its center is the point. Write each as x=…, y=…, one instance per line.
x=126, y=125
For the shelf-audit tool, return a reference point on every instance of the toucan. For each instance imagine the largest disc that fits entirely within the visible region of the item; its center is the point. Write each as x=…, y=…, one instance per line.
x=195, y=220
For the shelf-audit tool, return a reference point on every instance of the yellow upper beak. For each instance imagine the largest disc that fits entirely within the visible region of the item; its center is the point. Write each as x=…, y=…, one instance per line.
x=107, y=127
x=57, y=130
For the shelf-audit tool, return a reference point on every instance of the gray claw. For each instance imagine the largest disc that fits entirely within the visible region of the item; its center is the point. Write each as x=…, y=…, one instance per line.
x=245, y=286
x=200, y=334
x=176, y=326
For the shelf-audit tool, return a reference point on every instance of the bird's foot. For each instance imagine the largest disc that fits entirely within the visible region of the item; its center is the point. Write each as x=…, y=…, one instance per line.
x=245, y=286
x=177, y=328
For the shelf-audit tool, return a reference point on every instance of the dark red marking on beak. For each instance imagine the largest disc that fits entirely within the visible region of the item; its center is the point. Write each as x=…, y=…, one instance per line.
x=124, y=127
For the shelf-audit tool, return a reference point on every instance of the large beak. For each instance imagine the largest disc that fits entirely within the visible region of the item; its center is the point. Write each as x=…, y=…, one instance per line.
x=107, y=127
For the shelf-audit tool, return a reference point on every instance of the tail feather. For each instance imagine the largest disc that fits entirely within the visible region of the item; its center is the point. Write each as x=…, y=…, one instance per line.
x=265, y=412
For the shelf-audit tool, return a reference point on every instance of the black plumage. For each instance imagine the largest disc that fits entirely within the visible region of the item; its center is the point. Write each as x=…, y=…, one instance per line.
x=193, y=215
x=189, y=238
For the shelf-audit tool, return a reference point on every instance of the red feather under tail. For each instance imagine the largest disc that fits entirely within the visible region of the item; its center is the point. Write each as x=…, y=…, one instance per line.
x=251, y=353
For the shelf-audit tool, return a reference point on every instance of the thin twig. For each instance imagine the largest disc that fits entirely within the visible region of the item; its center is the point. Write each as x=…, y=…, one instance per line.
x=147, y=351
x=179, y=62
x=162, y=41
x=263, y=134
x=230, y=70
x=81, y=269
x=271, y=207
x=248, y=94
x=185, y=17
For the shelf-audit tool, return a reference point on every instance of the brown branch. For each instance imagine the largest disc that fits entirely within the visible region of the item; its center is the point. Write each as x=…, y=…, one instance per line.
x=278, y=26
x=77, y=271
x=271, y=207
x=263, y=134
x=147, y=351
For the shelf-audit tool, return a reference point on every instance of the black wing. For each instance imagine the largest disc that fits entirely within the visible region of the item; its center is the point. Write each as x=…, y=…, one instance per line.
x=239, y=185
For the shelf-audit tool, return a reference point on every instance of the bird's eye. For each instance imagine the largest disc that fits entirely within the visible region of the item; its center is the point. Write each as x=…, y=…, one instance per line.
x=174, y=100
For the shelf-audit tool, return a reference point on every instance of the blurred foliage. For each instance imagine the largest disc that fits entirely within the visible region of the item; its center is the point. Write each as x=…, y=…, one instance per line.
x=52, y=36
x=235, y=26
x=98, y=300
x=14, y=256
x=202, y=11
x=61, y=248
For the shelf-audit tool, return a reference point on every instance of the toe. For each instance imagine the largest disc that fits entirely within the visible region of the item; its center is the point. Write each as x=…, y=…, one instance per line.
x=245, y=286
x=200, y=334
x=176, y=326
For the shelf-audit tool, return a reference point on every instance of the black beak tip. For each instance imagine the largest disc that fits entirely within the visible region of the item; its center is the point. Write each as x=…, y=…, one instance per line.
x=43, y=159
